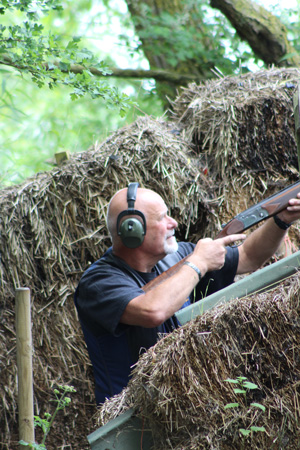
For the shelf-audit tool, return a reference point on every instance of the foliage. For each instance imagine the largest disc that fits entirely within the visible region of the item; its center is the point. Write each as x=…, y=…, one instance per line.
x=62, y=401
x=243, y=387
x=291, y=20
x=48, y=59
x=36, y=123
x=204, y=35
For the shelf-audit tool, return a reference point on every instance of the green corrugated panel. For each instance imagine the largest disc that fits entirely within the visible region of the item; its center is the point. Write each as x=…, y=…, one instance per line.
x=257, y=281
x=125, y=432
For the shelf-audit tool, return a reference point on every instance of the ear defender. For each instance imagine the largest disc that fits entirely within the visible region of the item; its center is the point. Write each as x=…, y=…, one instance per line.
x=131, y=230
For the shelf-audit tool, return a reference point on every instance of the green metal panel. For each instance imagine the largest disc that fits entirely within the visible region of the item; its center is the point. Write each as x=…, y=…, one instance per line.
x=125, y=432
x=261, y=279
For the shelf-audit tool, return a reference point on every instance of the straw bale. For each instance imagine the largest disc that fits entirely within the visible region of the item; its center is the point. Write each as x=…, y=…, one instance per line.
x=242, y=128
x=179, y=385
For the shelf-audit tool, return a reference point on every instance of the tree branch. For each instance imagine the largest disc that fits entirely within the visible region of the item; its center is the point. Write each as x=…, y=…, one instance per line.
x=158, y=75
x=264, y=32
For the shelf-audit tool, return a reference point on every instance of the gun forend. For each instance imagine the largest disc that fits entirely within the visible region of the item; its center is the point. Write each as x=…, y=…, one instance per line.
x=261, y=211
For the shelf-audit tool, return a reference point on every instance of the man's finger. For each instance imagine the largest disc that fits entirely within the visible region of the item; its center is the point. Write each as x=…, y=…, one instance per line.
x=232, y=238
x=294, y=201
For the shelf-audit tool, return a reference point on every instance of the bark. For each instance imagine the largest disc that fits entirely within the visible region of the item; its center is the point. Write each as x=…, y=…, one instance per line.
x=168, y=76
x=264, y=32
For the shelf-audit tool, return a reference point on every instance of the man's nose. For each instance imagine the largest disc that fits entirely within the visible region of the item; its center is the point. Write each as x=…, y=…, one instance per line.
x=172, y=222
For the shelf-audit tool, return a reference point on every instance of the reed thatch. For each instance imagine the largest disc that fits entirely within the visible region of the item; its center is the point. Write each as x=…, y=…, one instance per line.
x=53, y=225
x=51, y=228
x=242, y=128
x=180, y=384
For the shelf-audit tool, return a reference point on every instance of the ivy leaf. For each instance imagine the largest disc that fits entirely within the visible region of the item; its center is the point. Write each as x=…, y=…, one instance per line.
x=230, y=380
x=244, y=432
x=239, y=391
x=249, y=385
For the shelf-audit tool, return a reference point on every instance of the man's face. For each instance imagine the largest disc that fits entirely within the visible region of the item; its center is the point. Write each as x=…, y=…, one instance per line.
x=160, y=236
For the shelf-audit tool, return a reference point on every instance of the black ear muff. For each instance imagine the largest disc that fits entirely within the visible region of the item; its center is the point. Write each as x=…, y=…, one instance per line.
x=131, y=230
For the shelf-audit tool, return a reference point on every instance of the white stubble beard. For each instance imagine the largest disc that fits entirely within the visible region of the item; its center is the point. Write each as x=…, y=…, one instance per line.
x=170, y=247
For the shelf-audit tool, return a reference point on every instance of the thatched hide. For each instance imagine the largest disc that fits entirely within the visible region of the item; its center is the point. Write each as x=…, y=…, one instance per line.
x=53, y=226
x=179, y=385
x=242, y=128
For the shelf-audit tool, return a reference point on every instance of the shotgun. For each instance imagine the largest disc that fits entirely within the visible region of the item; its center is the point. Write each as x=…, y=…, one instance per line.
x=274, y=204
x=241, y=222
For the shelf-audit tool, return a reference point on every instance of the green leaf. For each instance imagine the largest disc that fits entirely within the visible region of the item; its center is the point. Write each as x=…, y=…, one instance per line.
x=249, y=385
x=64, y=66
x=231, y=405
x=239, y=391
x=288, y=56
x=33, y=445
x=232, y=381
x=258, y=405
x=244, y=432
x=254, y=428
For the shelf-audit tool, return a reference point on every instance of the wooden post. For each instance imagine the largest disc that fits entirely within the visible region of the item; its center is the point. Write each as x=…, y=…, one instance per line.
x=60, y=157
x=24, y=364
x=296, y=103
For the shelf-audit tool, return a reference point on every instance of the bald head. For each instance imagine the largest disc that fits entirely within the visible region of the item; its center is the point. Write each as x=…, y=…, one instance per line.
x=145, y=199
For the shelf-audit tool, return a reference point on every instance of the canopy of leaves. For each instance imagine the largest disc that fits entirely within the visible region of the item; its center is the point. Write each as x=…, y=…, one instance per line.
x=25, y=46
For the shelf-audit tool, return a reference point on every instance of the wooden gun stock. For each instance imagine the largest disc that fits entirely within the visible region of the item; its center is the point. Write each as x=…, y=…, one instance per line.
x=255, y=214
x=163, y=276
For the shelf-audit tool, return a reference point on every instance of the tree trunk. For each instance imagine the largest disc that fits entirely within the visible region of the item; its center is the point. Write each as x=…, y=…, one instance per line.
x=146, y=14
x=264, y=32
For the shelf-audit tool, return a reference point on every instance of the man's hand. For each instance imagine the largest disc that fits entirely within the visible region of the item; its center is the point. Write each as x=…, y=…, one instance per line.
x=210, y=254
x=292, y=212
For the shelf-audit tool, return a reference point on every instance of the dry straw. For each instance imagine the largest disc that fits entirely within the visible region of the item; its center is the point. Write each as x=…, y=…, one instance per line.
x=206, y=162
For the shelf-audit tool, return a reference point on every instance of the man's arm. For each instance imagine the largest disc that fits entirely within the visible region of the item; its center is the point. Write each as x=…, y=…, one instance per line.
x=162, y=301
x=265, y=240
x=158, y=304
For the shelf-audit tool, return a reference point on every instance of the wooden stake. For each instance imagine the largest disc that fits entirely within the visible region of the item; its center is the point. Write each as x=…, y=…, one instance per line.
x=296, y=103
x=60, y=157
x=24, y=364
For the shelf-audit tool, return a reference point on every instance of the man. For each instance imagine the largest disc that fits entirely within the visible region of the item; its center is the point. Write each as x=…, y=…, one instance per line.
x=119, y=319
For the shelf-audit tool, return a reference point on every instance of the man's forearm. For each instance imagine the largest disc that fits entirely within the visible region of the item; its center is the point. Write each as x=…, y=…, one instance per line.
x=162, y=301
x=260, y=246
